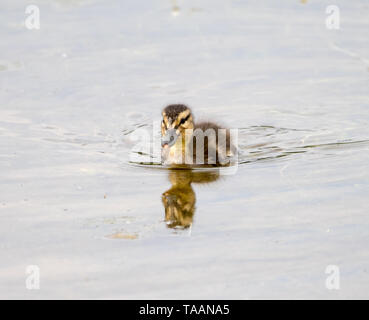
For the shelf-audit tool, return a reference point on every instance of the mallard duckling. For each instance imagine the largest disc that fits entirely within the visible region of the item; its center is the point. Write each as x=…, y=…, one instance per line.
x=185, y=142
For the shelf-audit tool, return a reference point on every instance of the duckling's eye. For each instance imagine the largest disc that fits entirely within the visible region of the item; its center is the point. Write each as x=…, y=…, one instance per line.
x=184, y=120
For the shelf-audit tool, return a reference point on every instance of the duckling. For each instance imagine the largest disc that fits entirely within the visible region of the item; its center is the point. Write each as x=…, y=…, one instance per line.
x=184, y=142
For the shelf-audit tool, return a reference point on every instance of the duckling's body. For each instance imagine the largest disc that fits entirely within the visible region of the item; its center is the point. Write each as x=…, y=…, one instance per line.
x=187, y=143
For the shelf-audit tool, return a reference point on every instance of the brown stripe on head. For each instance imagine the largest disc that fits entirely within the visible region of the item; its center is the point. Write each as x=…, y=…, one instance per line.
x=173, y=110
x=182, y=118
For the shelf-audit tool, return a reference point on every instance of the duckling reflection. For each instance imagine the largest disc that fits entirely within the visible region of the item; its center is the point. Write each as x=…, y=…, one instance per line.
x=180, y=200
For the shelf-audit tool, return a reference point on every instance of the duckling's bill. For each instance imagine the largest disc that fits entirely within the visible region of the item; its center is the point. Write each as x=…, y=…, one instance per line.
x=170, y=138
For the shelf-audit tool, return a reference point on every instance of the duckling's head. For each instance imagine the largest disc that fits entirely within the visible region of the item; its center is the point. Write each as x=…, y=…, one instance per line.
x=176, y=119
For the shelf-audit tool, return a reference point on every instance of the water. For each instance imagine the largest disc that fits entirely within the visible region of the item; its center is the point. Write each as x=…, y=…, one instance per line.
x=100, y=226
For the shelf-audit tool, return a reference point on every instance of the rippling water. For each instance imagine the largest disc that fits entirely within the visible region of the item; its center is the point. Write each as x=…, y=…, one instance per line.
x=100, y=225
